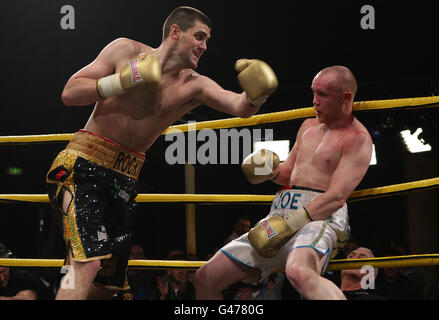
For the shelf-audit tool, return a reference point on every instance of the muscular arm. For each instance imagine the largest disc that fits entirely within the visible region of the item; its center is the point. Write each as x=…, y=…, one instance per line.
x=80, y=89
x=214, y=96
x=349, y=173
x=286, y=167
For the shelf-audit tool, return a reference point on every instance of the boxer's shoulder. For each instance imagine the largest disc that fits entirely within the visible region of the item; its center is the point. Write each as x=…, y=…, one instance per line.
x=130, y=45
x=310, y=122
x=360, y=127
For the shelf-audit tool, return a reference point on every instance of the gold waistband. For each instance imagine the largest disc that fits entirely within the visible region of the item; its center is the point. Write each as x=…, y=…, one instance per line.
x=106, y=153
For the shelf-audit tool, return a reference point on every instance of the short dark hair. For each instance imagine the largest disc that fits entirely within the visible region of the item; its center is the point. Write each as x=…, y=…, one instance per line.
x=185, y=18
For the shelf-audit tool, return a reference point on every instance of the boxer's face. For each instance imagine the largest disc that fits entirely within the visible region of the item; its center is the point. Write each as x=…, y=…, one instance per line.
x=136, y=252
x=194, y=44
x=242, y=226
x=359, y=253
x=179, y=275
x=328, y=97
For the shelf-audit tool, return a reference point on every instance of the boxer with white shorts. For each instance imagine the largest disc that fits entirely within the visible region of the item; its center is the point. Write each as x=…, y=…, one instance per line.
x=324, y=236
x=301, y=233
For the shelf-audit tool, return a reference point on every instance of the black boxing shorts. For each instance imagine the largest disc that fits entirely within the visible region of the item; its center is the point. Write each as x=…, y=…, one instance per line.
x=101, y=177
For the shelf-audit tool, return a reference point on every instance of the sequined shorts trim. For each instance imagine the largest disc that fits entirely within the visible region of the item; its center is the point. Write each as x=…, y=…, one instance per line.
x=106, y=153
x=99, y=219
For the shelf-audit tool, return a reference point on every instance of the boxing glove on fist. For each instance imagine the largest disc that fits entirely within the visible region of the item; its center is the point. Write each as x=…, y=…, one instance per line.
x=260, y=166
x=270, y=234
x=257, y=79
x=143, y=70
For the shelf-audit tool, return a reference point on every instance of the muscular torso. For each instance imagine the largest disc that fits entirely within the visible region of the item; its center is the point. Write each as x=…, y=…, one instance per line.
x=137, y=119
x=319, y=152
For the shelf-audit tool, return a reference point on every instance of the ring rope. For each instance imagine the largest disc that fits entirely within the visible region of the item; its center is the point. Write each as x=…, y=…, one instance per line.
x=420, y=102
x=404, y=261
x=334, y=265
x=396, y=262
x=386, y=262
x=390, y=190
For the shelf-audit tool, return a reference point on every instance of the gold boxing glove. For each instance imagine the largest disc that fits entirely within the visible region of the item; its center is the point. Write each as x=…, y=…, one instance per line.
x=143, y=70
x=270, y=234
x=257, y=79
x=260, y=166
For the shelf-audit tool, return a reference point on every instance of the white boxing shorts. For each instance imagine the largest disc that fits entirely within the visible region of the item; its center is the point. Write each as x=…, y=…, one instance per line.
x=324, y=236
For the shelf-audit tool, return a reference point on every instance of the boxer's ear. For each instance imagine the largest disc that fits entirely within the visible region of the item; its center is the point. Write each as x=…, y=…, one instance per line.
x=174, y=31
x=348, y=96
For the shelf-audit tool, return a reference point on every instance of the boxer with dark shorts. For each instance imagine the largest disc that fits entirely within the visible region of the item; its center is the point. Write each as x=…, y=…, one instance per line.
x=101, y=177
x=138, y=92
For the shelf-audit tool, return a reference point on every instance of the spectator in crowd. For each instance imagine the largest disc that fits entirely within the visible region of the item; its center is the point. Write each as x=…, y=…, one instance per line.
x=140, y=281
x=19, y=283
x=395, y=285
x=269, y=289
x=353, y=282
x=242, y=225
x=350, y=246
x=409, y=272
x=174, y=284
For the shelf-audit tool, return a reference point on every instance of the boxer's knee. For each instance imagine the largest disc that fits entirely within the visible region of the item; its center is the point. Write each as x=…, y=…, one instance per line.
x=299, y=276
x=302, y=268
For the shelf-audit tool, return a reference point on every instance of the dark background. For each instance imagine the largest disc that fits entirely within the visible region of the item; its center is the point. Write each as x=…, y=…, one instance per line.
x=396, y=60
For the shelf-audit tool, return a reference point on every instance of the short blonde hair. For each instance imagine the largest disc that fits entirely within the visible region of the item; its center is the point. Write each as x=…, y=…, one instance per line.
x=345, y=78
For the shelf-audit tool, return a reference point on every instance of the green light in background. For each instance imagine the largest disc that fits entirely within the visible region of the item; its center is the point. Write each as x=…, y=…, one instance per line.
x=14, y=171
